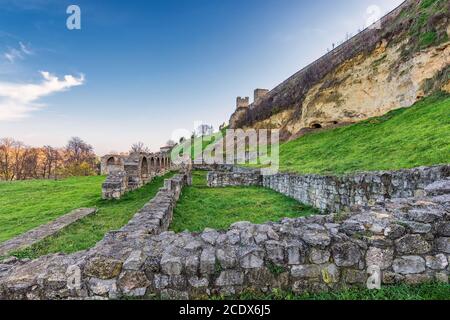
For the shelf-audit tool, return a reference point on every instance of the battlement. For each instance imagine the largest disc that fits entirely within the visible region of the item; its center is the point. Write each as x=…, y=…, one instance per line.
x=242, y=102
x=259, y=94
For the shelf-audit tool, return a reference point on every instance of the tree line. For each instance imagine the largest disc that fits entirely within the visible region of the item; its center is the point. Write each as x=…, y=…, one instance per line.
x=21, y=162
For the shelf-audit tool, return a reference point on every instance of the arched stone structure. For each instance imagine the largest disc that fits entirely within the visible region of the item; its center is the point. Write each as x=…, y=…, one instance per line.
x=130, y=172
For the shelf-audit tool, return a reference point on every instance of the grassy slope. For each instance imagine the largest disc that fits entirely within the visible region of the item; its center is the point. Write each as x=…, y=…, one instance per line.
x=85, y=233
x=201, y=207
x=403, y=138
x=429, y=291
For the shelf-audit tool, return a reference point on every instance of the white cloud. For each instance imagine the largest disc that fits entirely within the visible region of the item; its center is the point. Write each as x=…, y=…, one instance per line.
x=18, y=100
x=20, y=53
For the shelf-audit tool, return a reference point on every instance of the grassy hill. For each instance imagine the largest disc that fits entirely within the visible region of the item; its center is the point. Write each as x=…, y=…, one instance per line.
x=403, y=138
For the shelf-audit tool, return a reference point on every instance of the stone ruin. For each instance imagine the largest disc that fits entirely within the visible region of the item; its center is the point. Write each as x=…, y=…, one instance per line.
x=396, y=221
x=130, y=172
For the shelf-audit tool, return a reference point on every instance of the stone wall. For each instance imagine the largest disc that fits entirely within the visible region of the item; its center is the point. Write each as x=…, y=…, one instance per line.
x=127, y=173
x=336, y=193
x=407, y=239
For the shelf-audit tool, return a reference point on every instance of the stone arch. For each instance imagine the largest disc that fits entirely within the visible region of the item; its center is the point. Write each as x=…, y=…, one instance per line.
x=144, y=170
x=152, y=163
x=111, y=161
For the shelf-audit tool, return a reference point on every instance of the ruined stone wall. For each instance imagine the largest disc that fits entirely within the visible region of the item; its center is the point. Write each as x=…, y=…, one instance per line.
x=407, y=239
x=336, y=193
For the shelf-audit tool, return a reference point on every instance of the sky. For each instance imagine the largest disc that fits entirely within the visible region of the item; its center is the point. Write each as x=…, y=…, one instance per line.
x=152, y=70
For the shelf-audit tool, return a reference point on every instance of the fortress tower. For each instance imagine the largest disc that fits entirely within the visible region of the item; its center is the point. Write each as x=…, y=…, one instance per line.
x=259, y=94
x=242, y=102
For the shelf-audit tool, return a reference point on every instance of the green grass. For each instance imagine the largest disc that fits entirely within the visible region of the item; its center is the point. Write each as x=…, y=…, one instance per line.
x=201, y=207
x=29, y=204
x=62, y=195
x=428, y=291
x=403, y=138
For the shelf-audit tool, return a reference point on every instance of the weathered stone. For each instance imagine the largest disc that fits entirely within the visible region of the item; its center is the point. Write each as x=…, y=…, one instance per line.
x=438, y=262
x=208, y=261
x=346, y=254
x=171, y=265
x=412, y=244
x=438, y=188
x=230, y=278
x=330, y=274
x=443, y=245
x=197, y=282
x=415, y=279
x=295, y=252
x=353, y=276
x=134, y=261
x=443, y=229
x=395, y=231
x=252, y=258
x=101, y=287
x=133, y=283
x=305, y=271
x=160, y=281
x=391, y=277
x=210, y=236
x=192, y=264
x=417, y=227
x=103, y=267
x=409, y=265
x=316, y=238
x=382, y=258
x=275, y=251
x=227, y=257
x=318, y=256
x=441, y=277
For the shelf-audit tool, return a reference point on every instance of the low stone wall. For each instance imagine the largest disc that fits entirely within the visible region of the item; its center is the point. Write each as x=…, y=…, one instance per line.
x=407, y=239
x=337, y=193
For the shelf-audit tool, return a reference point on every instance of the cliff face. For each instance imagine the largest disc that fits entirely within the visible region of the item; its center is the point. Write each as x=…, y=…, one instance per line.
x=373, y=73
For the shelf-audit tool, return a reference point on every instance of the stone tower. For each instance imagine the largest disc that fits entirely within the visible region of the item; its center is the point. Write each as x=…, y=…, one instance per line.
x=242, y=102
x=259, y=94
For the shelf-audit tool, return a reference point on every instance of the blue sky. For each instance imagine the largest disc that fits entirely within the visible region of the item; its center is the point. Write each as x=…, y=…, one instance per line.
x=138, y=70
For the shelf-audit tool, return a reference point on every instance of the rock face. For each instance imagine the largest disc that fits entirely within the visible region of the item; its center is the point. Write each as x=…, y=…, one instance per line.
x=365, y=77
x=318, y=253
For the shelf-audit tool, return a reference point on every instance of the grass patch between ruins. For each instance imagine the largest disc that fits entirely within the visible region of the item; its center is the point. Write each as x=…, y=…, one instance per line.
x=31, y=197
x=202, y=207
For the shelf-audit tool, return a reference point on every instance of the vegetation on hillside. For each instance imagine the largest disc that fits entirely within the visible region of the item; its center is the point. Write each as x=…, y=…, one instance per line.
x=42, y=201
x=428, y=25
x=202, y=207
x=403, y=138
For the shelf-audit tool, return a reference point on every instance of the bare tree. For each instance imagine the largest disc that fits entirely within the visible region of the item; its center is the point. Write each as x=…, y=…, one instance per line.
x=139, y=147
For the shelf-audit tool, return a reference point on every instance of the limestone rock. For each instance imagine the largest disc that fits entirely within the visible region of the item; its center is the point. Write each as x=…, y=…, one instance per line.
x=412, y=244
x=409, y=265
x=346, y=254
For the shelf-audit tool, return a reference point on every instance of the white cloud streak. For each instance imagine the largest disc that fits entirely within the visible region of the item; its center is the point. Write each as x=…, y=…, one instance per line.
x=17, y=100
x=20, y=53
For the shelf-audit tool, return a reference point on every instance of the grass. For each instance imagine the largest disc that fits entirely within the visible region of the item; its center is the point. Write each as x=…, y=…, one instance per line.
x=403, y=138
x=111, y=215
x=29, y=204
x=201, y=207
x=428, y=291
